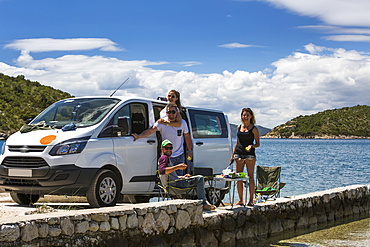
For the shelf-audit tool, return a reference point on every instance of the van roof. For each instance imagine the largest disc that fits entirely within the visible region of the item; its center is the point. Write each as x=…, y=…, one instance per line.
x=125, y=98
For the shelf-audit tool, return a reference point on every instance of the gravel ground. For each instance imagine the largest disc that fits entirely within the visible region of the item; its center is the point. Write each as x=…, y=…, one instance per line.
x=9, y=209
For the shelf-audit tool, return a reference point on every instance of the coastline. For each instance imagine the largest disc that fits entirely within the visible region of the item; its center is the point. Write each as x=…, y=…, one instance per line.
x=329, y=137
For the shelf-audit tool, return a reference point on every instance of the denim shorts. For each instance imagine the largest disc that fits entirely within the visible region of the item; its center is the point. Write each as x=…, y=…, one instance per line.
x=244, y=156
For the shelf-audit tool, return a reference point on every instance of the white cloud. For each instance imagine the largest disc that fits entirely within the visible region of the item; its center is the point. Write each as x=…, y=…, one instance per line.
x=302, y=83
x=235, y=45
x=342, y=34
x=338, y=16
x=332, y=12
x=335, y=29
x=77, y=44
x=353, y=38
x=314, y=49
x=190, y=63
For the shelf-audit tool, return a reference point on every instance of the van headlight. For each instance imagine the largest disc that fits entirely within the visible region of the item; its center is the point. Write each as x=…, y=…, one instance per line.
x=3, y=148
x=72, y=146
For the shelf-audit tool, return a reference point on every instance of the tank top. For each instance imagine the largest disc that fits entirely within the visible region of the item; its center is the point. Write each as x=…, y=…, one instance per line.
x=245, y=139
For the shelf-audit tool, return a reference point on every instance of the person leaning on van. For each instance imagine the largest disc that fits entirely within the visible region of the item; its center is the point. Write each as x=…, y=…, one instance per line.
x=175, y=134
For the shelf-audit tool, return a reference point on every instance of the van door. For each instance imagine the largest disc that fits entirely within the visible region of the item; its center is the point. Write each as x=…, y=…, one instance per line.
x=135, y=159
x=211, y=139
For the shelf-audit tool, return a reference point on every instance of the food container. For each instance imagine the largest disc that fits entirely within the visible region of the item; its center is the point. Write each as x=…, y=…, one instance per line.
x=242, y=175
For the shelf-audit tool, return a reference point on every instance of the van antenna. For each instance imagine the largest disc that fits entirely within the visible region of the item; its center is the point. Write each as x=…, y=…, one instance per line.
x=119, y=86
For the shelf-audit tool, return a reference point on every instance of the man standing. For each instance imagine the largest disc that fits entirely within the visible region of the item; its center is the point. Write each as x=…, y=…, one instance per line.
x=166, y=168
x=175, y=134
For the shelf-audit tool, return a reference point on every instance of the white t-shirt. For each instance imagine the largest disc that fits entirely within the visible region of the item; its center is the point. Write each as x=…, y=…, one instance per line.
x=163, y=114
x=175, y=135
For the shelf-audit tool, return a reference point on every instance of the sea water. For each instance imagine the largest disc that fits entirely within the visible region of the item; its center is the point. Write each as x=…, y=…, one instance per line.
x=309, y=165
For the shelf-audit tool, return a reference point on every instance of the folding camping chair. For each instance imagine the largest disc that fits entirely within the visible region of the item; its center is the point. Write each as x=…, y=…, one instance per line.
x=214, y=194
x=168, y=189
x=268, y=181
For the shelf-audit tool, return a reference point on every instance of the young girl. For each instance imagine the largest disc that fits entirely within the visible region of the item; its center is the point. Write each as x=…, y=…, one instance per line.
x=248, y=139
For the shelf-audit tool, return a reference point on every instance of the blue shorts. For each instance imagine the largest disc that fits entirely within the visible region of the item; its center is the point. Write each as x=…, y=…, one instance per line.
x=244, y=157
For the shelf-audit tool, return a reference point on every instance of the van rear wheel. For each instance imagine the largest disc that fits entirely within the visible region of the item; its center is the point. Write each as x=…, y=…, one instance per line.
x=24, y=199
x=104, y=190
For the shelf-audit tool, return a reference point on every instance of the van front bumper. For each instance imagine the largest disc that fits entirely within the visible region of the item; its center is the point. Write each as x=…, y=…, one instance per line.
x=55, y=180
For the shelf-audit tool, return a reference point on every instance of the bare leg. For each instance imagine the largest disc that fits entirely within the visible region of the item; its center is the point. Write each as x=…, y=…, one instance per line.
x=239, y=168
x=250, y=169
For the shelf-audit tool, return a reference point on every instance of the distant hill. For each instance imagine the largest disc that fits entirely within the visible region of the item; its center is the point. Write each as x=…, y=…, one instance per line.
x=347, y=122
x=21, y=99
x=262, y=130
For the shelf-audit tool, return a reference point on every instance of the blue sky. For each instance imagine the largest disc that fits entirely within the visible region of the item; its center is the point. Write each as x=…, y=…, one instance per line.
x=282, y=58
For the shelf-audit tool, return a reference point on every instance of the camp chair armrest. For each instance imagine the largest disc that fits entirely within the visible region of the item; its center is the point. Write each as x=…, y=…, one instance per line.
x=183, y=179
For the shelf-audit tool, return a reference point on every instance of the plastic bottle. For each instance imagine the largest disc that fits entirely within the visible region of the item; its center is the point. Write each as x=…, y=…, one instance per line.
x=259, y=198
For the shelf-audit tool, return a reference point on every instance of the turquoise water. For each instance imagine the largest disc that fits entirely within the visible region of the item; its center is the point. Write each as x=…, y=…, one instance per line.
x=316, y=165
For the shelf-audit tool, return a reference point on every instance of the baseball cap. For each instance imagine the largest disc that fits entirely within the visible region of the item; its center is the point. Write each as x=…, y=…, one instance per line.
x=165, y=142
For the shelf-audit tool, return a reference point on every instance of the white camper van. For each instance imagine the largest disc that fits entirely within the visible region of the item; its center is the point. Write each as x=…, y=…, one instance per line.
x=83, y=146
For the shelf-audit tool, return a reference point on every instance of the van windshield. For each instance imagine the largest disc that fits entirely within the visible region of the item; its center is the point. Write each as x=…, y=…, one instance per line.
x=82, y=112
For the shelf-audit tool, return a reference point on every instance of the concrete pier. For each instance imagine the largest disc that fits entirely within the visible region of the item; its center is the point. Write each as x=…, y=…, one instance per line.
x=183, y=223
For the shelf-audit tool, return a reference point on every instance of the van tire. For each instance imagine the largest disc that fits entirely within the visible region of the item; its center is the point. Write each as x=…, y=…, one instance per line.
x=105, y=189
x=24, y=199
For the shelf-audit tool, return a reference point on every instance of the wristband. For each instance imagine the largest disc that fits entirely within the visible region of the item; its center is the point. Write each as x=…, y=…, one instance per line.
x=190, y=151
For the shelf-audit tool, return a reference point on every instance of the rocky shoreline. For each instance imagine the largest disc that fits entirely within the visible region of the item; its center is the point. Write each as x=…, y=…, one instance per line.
x=344, y=137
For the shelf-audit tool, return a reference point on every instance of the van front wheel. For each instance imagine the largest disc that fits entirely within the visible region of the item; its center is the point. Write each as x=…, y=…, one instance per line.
x=104, y=190
x=24, y=199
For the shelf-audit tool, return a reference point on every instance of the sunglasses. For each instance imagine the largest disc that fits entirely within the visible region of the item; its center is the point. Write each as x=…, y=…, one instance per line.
x=171, y=96
x=171, y=112
x=168, y=148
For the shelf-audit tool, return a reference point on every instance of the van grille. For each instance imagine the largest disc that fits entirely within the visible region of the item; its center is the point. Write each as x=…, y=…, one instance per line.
x=26, y=149
x=24, y=162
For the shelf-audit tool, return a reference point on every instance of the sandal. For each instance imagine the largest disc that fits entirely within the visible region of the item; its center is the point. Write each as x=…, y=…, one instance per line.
x=250, y=204
x=209, y=207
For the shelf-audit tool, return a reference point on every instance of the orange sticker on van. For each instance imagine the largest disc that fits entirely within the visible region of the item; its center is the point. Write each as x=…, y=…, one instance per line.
x=47, y=139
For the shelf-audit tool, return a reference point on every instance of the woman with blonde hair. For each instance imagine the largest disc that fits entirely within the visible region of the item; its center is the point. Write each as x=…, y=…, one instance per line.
x=248, y=139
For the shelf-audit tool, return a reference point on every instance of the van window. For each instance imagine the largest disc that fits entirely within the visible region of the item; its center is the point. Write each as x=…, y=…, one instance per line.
x=157, y=108
x=206, y=124
x=137, y=113
x=82, y=112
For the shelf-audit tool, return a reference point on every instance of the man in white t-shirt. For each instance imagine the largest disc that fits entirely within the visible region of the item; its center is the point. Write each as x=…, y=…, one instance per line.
x=175, y=134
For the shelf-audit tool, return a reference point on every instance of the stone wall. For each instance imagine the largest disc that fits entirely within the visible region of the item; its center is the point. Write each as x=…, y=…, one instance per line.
x=183, y=223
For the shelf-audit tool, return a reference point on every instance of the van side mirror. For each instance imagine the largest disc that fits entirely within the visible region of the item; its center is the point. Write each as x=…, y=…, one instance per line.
x=29, y=120
x=123, y=125
x=120, y=129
